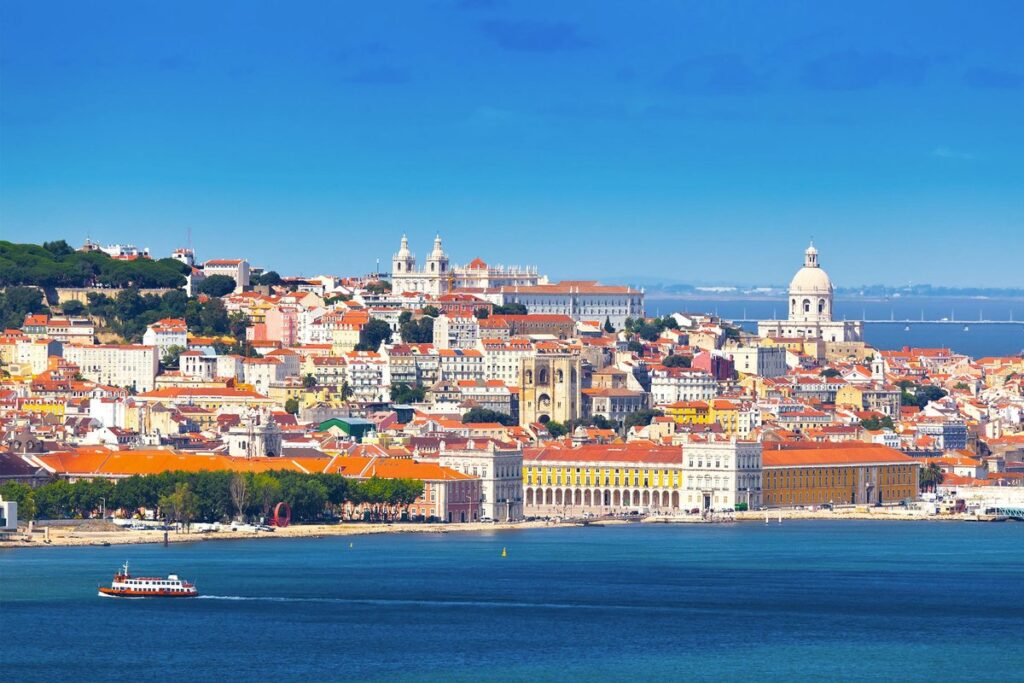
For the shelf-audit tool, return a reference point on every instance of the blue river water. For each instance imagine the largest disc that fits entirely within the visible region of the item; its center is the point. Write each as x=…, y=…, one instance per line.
x=973, y=339
x=813, y=600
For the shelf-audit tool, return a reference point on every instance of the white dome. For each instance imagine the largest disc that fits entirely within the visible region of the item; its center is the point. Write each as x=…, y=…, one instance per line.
x=810, y=281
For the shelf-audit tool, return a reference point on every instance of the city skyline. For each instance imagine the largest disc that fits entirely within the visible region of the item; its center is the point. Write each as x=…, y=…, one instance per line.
x=525, y=134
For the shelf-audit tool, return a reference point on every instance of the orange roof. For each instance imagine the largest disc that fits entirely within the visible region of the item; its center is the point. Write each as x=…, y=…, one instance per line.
x=634, y=453
x=802, y=454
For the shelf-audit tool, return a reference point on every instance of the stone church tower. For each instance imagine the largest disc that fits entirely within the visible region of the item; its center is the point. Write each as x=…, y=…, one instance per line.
x=549, y=388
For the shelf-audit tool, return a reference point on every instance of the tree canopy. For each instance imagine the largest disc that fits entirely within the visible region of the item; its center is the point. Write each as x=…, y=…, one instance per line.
x=56, y=264
x=478, y=415
x=216, y=496
x=217, y=285
x=510, y=309
x=375, y=333
x=18, y=302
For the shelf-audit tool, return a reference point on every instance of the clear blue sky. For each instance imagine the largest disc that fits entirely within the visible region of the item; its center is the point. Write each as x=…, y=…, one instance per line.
x=690, y=141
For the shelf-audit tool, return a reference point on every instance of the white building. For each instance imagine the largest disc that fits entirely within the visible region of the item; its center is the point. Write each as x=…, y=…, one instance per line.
x=439, y=277
x=763, y=361
x=186, y=256
x=718, y=474
x=8, y=515
x=35, y=353
x=456, y=331
x=433, y=279
x=236, y=269
x=165, y=333
x=196, y=365
x=459, y=364
x=670, y=385
x=578, y=299
x=503, y=359
x=71, y=330
x=810, y=308
x=121, y=365
x=500, y=469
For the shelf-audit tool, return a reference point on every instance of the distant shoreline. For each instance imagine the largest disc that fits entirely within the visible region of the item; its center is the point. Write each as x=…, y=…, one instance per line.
x=781, y=296
x=67, y=537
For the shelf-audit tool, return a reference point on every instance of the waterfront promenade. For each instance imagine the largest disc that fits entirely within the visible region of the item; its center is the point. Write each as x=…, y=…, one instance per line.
x=102, y=534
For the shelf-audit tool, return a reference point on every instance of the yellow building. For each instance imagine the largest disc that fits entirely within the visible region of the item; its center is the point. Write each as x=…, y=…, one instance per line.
x=837, y=473
x=44, y=407
x=727, y=414
x=689, y=412
x=597, y=477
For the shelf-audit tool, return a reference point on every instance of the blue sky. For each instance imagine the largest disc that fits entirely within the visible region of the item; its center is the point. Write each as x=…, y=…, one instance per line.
x=683, y=141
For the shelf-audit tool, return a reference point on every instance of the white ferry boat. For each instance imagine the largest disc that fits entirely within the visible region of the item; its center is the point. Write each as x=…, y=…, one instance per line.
x=125, y=585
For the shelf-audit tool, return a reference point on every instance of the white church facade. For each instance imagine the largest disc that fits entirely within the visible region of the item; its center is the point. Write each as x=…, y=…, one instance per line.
x=810, y=308
x=438, y=276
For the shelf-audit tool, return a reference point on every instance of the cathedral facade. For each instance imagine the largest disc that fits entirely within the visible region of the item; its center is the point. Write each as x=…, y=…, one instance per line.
x=438, y=276
x=810, y=308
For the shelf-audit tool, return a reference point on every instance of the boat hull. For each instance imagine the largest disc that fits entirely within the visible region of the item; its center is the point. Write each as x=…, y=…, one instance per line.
x=118, y=593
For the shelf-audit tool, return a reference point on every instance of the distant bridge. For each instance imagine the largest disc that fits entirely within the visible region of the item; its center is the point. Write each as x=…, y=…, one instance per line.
x=910, y=321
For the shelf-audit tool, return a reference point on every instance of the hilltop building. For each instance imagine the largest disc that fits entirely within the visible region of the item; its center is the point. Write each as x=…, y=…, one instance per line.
x=438, y=276
x=810, y=308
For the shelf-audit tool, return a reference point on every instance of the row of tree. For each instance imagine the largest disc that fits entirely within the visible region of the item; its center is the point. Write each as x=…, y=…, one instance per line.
x=57, y=264
x=217, y=496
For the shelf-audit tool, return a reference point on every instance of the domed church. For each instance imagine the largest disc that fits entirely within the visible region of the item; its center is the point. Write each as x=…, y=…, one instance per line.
x=810, y=308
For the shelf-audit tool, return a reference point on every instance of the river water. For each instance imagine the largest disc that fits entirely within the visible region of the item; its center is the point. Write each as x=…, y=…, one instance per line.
x=812, y=600
x=976, y=340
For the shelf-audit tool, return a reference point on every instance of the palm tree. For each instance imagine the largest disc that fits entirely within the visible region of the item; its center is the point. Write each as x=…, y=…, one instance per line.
x=931, y=477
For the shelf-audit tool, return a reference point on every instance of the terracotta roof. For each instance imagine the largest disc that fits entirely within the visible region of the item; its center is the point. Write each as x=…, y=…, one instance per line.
x=633, y=453
x=805, y=454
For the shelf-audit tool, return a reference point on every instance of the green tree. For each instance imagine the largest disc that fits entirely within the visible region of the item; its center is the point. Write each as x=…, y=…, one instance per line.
x=417, y=331
x=217, y=285
x=18, y=302
x=641, y=418
x=829, y=372
x=172, y=358
x=266, y=492
x=676, y=361
x=180, y=505
x=73, y=307
x=556, y=429
x=403, y=393
x=931, y=477
x=608, y=327
x=291, y=406
x=510, y=309
x=634, y=346
x=23, y=495
x=431, y=311
x=268, y=279
x=481, y=313
x=375, y=333
x=309, y=381
x=486, y=415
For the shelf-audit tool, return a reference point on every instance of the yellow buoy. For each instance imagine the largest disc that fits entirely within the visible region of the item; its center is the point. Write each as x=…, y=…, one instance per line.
x=504, y=552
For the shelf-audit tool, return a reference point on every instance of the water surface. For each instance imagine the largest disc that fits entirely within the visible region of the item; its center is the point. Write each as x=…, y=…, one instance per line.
x=843, y=600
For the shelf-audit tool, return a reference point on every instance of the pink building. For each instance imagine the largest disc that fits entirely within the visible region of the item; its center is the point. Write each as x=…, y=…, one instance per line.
x=282, y=325
x=719, y=367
